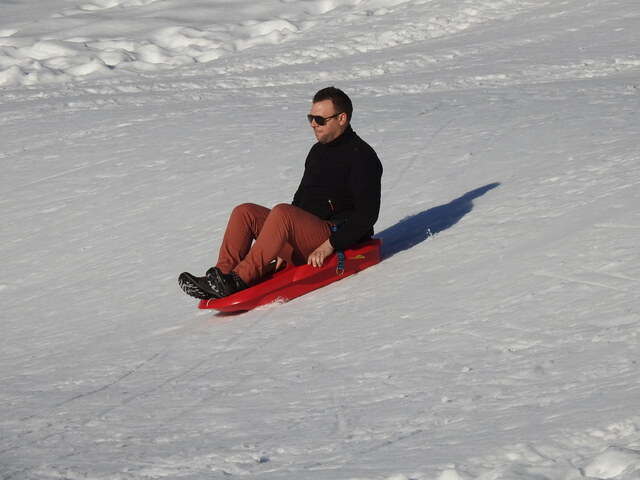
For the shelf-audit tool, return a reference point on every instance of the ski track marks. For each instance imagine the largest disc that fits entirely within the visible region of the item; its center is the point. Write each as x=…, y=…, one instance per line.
x=102, y=411
x=85, y=412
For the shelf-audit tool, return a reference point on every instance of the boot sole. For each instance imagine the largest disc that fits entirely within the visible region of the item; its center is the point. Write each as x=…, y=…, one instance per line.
x=189, y=285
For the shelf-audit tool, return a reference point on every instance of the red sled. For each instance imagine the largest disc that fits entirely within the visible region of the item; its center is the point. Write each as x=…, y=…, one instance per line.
x=293, y=282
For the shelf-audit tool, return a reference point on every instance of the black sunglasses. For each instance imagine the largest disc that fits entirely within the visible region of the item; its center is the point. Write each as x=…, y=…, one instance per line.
x=321, y=120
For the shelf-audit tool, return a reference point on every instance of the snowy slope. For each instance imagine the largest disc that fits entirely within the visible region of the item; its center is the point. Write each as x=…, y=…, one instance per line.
x=499, y=337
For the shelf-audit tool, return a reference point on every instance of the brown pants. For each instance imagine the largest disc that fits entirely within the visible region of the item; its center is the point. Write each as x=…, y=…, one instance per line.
x=285, y=231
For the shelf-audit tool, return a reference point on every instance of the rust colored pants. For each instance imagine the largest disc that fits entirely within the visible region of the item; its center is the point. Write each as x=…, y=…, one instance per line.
x=285, y=231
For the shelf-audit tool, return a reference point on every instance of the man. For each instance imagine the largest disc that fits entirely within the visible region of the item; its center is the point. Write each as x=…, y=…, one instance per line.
x=335, y=206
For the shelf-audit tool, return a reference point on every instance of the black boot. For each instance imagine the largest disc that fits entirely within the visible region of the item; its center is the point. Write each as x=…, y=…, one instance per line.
x=198, y=287
x=225, y=284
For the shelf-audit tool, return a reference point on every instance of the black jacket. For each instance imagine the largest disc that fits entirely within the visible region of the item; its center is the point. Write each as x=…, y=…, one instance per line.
x=341, y=182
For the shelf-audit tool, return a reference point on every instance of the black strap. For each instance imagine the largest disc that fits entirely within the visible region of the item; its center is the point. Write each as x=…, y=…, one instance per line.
x=340, y=254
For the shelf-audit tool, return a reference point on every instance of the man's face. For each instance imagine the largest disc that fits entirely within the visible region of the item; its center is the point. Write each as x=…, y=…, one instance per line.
x=333, y=127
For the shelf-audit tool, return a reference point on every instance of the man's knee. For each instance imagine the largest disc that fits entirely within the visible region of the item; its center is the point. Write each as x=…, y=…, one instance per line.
x=283, y=207
x=245, y=209
x=283, y=210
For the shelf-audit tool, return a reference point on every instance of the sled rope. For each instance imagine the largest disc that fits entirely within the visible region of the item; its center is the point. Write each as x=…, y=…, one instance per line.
x=340, y=254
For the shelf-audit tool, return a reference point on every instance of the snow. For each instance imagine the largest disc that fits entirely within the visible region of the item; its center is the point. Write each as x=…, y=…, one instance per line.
x=499, y=337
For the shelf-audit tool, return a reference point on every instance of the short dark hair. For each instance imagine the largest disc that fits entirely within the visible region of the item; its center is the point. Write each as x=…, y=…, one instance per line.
x=340, y=100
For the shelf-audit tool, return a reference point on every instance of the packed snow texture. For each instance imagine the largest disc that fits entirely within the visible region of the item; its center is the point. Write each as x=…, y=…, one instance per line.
x=499, y=337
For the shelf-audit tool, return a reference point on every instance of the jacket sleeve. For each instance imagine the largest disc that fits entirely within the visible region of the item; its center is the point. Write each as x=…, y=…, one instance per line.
x=365, y=182
x=296, y=196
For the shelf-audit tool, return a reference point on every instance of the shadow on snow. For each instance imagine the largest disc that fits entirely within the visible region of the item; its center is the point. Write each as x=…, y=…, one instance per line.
x=415, y=229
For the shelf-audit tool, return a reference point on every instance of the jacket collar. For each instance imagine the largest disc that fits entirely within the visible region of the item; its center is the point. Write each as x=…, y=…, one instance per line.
x=337, y=141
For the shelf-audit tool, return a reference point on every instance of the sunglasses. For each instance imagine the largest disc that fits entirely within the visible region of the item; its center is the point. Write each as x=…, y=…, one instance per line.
x=321, y=120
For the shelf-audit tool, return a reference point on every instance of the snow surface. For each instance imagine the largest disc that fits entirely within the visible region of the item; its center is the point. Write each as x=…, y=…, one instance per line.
x=498, y=339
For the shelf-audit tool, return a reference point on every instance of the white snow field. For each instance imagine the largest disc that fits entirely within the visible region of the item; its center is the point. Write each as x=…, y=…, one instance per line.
x=498, y=339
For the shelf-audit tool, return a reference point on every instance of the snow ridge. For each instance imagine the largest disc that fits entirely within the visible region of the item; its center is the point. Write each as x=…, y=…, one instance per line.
x=104, y=38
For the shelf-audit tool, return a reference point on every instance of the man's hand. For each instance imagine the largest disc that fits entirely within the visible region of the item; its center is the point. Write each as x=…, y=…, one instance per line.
x=318, y=256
